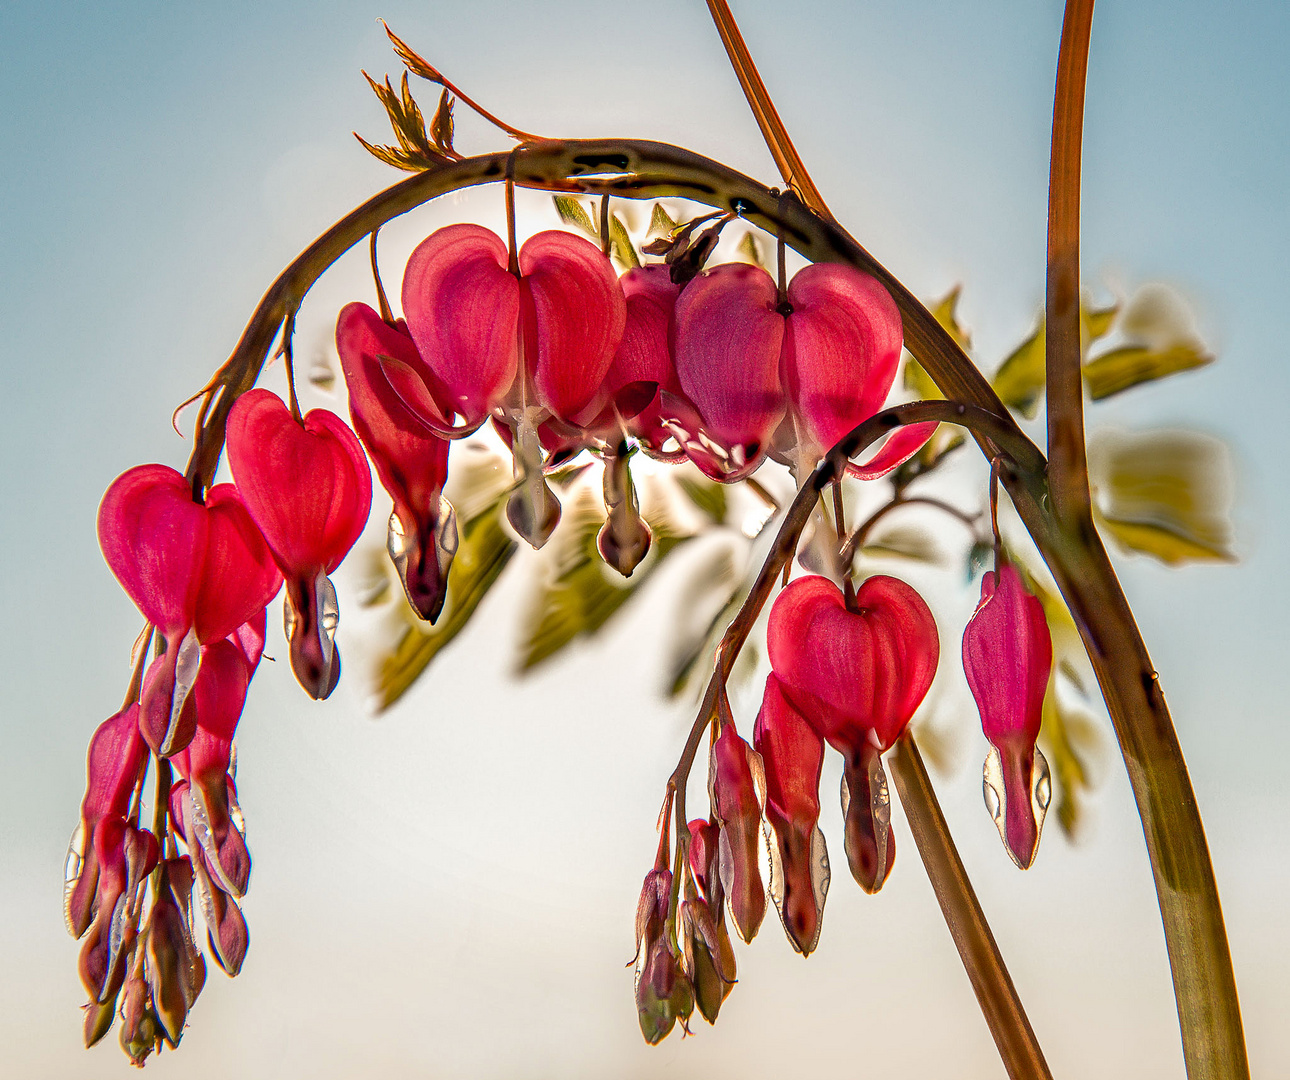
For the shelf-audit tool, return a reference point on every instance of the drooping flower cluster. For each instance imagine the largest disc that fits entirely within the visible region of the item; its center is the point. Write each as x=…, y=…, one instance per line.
x=847, y=669
x=202, y=570
x=562, y=356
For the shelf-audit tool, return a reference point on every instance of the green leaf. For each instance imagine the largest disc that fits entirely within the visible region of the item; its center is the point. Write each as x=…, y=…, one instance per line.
x=1074, y=743
x=620, y=243
x=661, y=223
x=903, y=542
x=1122, y=368
x=584, y=593
x=718, y=574
x=750, y=250
x=916, y=379
x=485, y=549
x=708, y=496
x=572, y=212
x=1019, y=382
x=1164, y=493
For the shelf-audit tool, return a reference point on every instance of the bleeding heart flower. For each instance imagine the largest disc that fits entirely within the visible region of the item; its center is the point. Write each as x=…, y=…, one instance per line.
x=125, y=856
x=528, y=349
x=792, y=753
x=663, y=992
x=645, y=360
x=856, y=672
x=308, y=487
x=210, y=799
x=1007, y=657
x=195, y=571
x=410, y=459
x=176, y=970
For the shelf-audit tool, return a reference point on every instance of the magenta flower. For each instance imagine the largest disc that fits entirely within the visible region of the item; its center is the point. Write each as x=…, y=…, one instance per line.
x=734, y=779
x=529, y=350
x=210, y=799
x=708, y=958
x=196, y=572
x=1007, y=657
x=125, y=856
x=645, y=359
x=115, y=761
x=308, y=488
x=410, y=459
x=792, y=752
x=856, y=674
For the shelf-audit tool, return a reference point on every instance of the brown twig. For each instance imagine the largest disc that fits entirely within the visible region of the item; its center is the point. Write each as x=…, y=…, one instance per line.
x=995, y=992
x=1067, y=467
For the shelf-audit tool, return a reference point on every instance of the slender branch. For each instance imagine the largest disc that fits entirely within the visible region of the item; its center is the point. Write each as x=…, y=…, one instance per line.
x=787, y=160
x=1068, y=468
x=982, y=961
x=856, y=540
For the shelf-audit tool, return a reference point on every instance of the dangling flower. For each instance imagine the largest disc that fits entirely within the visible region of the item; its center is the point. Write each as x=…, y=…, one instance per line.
x=307, y=486
x=410, y=459
x=707, y=955
x=115, y=762
x=1007, y=657
x=645, y=360
x=664, y=994
x=210, y=797
x=792, y=752
x=196, y=572
x=856, y=672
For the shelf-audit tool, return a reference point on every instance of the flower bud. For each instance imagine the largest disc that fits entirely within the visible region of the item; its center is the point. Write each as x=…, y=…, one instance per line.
x=734, y=780
x=663, y=992
x=1007, y=658
x=793, y=754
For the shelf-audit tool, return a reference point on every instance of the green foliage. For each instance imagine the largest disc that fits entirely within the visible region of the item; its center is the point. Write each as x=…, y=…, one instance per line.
x=1122, y=368
x=1164, y=493
x=583, y=592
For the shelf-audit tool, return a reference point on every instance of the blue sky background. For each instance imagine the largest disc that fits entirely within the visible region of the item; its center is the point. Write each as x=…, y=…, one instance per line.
x=449, y=891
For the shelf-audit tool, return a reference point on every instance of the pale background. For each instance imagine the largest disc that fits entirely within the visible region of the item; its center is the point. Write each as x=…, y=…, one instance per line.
x=448, y=891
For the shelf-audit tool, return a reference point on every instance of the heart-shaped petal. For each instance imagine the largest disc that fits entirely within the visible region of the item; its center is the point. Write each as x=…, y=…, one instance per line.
x=462, y=307
x=841, y=351
x=853, y=672
x=238, y=577
x=153, y=537
x=728, y=340
x=578, y=312
x=793, y=755
x=307, y=487
x=411, y=462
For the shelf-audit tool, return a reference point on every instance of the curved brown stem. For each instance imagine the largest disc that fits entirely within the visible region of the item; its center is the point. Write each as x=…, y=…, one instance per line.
x=856, y=540
x=972, y=936
x=1067, y=467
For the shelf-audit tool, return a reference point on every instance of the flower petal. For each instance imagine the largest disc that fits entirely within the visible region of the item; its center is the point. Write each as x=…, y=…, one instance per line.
x=153, y=537
x=578, y=312
x=462, y=307
x=841, y=350
x=728, y=340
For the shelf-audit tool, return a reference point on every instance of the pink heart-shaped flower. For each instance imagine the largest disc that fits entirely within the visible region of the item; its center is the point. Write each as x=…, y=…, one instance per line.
x=856, y=675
